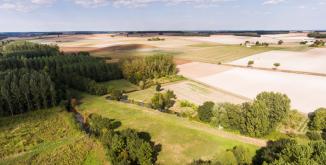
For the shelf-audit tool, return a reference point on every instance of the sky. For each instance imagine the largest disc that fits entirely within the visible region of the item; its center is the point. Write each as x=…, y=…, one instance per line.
x=138, y=15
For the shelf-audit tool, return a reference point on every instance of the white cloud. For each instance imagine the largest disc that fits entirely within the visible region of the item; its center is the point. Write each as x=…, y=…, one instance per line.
x=272, y=2
x=142, y=3
x=24, y=5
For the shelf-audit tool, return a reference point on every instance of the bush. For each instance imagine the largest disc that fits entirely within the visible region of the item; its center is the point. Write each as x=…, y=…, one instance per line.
x=117, y=94
x=314, y=135
x=317, y=119
x=163, y=101
x=158, y=87
x=227, y=115
x=250, y=63
x=123, y=147
x=242, y=155
x=205, y=111
x=276, y=65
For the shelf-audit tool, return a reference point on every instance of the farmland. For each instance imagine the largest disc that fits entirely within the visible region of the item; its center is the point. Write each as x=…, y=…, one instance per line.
x=255, y=81
x=205, y=49
x=179, y=90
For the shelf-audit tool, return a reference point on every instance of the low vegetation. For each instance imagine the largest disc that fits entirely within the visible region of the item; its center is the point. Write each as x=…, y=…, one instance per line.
x=156, y=39
x=40, y=137
x=317, y=35
x=318, y=43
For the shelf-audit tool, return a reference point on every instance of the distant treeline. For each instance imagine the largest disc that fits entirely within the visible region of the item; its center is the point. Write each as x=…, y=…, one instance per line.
x=317, y=35
x=203, y=33
x=35, y=76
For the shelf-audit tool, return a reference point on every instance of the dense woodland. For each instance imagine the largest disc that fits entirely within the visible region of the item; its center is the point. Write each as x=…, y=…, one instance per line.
x=35, y=76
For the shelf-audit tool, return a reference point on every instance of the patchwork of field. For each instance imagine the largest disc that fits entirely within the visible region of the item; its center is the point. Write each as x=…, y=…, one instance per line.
x=306, y=91
x=203, y=49
x=308, y=61
x=232, y=39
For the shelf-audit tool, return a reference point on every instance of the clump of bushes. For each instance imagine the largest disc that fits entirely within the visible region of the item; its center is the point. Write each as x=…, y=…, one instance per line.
x=265, y=44
x=271, y=108
x=238, y=155
x=317, y=35
x=156, y=39
x=122, y=147
x=163, y=101
x=318, y=43
x=142, y=69
x=289, y=151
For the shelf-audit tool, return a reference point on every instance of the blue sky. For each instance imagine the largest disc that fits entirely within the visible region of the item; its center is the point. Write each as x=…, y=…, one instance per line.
x=74, y=15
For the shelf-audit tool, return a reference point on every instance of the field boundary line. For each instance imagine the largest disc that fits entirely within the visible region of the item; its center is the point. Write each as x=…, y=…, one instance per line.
x=278, y=70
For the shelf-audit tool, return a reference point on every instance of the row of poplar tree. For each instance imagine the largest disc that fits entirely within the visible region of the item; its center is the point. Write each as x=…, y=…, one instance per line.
x=37, y=80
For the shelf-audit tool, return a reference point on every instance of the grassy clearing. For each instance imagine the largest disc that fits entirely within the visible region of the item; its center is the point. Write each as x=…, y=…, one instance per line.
x=123, y=85
x=182, y=140
x=41, y=137
x=143, y=95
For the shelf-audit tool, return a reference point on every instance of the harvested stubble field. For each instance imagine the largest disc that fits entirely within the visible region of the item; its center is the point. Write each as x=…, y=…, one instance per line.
x=309, y=61
x=250, y=82
x=232, y=39
x=204, y=49
x=199, y=93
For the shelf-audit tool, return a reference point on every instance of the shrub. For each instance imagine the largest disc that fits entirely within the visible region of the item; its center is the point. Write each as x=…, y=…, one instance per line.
x=117, y=94
x=205, y=111
x=242, y=155
x=317, y=119
x=276, y=65
x=250, y=63
x=163, y=101
x=158, y=87
x=314, y=135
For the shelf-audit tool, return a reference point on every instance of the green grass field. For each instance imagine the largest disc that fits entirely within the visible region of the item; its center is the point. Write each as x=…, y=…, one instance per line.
x=182, y=140
x=123, y=85
x=46, y=137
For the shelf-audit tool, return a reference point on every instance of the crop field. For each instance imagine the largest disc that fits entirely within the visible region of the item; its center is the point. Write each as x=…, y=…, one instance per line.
x=232, y=39
x=41, y=137
x=309, y=61
x=172, y=132
x=203, y=49
x=250, y=82
x=186, y=90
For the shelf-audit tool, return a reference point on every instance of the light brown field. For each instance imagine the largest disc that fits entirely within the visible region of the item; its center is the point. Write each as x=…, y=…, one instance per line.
x=306, y=91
